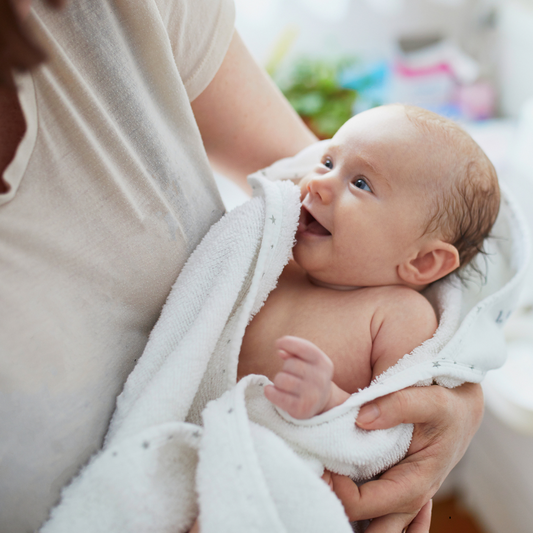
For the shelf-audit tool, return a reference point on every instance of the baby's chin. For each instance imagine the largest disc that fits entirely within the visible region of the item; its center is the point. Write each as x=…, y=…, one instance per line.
x=318, y=280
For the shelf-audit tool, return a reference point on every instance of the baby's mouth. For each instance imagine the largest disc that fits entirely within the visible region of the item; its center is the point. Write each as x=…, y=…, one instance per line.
x=309, y=224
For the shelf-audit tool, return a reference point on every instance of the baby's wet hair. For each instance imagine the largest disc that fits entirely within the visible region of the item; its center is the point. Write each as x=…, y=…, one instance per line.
x=466, y=202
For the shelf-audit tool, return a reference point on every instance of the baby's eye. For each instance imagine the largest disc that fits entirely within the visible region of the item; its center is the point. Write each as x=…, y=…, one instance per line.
x=360, y=183
x=328, y=163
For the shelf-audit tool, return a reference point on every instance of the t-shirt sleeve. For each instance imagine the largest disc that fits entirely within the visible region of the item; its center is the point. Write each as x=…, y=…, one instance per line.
x=200, y=32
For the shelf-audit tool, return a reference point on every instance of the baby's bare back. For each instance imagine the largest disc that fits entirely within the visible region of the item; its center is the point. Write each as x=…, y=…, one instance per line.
x=360, y=330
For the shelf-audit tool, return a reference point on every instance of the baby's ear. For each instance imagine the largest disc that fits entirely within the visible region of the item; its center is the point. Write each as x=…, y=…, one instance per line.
x=434, y=261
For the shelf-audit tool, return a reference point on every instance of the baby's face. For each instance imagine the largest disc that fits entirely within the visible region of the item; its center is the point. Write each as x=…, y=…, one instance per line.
x=364, y=206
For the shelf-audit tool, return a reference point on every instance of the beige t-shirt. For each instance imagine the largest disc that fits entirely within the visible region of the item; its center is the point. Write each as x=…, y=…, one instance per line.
x=110, y=192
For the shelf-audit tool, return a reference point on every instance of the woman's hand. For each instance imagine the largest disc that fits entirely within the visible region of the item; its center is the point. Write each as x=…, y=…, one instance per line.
x=445, y=422
x=18, y=49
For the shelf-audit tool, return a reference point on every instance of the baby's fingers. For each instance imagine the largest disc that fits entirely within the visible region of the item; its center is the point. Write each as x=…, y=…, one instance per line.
x=290, y=403
x=303, y=349
x=288, y=382
x=299, y=369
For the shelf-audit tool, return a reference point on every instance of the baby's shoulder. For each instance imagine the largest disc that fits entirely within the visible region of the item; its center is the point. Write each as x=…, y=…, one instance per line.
x=402, y=304
x=401, y=295
x=394, y=295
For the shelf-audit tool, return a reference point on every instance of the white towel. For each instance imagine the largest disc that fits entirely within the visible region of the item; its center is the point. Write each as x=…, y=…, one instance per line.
x=184, y=432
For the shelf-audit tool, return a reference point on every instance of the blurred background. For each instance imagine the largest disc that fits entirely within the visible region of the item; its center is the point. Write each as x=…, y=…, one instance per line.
x=471, y=60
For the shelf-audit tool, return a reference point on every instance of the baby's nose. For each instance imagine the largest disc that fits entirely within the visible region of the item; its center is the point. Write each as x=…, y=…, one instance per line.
x=322, y=187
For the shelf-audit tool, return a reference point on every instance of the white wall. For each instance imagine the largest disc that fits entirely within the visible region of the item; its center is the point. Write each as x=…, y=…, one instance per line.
x=516, y=55
x=497, y=478
x=354, y=26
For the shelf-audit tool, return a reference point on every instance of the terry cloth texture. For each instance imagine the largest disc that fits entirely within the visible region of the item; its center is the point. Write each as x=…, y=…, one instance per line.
x=184, y=432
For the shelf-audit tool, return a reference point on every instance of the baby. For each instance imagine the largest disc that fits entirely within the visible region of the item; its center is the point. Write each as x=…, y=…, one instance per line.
x=401, y=198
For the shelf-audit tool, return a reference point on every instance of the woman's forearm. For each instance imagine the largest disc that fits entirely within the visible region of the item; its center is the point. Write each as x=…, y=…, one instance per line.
x=245, y=121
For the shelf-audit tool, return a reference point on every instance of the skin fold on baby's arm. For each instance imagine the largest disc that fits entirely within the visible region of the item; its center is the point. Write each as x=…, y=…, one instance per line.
x=304, y=387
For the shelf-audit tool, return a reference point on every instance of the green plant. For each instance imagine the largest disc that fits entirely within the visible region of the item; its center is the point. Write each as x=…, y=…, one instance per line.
x=313, y=90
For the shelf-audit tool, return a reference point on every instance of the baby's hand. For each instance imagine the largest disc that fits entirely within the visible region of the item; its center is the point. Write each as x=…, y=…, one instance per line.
x=304, y=388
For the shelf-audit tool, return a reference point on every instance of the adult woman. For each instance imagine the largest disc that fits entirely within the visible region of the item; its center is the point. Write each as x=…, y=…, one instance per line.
x=106, y=190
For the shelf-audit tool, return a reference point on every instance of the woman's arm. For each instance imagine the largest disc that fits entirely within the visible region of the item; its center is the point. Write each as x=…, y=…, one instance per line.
x=245, y=121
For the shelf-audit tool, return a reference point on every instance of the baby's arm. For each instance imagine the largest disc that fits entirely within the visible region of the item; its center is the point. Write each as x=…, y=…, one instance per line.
x=398, y=328
x=304, y=388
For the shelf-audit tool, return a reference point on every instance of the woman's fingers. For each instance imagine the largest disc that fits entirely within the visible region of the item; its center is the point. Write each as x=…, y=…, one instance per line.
x=392, y=493
x=423, y=405
x=453, y=415
x=392, y=523
x=405, y=523
x=445, y=422
x=406, y=407
x=422, y=520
